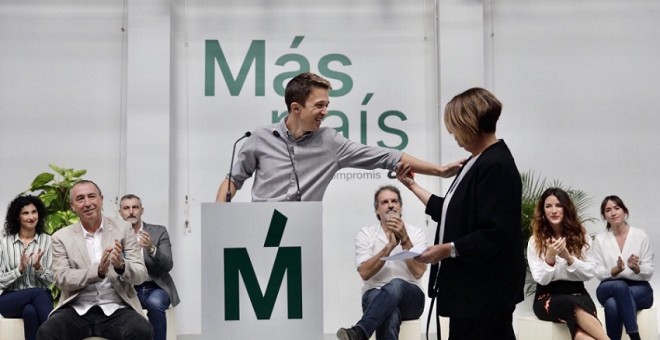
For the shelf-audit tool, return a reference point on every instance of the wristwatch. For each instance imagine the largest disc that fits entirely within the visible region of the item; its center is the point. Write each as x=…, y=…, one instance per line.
x=452, y=252
x=121, y=268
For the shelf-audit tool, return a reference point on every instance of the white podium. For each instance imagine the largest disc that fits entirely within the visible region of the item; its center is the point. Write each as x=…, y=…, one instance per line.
x=262, y=270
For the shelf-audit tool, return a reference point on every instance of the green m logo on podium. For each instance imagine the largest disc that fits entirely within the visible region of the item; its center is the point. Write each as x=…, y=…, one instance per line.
x=287, y=261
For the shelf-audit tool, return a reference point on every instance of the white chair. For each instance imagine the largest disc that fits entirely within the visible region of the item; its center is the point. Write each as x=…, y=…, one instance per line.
x=171, y=322
x=11, y=329
x=410, y=330
x=646, y=320
x=531, y=328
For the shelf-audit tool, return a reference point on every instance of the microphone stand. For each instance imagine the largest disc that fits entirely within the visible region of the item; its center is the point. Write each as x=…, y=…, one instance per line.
x=231, y=165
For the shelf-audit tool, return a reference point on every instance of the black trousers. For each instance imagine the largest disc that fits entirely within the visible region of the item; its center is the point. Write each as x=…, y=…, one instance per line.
x=493, y=326
x=124, y=324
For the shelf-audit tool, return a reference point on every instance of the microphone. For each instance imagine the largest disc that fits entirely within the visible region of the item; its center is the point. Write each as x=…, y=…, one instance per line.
x=277, y=134
x=231, y=165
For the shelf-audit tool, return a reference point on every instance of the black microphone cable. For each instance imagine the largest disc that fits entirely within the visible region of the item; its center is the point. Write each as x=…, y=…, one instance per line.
x=277, y=134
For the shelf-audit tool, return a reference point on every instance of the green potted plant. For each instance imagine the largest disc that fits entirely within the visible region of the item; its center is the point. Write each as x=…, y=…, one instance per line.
x=532, y=188
x=54, y=192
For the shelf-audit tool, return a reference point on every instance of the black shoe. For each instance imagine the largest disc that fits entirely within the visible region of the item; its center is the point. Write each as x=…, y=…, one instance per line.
x=353, y=333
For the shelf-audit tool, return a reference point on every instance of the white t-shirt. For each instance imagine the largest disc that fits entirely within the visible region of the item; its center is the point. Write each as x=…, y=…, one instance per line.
x=371, y=240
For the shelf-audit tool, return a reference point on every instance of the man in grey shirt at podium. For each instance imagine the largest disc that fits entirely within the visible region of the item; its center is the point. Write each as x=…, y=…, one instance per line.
x=295, y=159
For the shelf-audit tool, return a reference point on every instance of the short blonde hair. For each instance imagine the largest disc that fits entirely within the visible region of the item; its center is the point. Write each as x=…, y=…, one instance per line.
x=472, y=113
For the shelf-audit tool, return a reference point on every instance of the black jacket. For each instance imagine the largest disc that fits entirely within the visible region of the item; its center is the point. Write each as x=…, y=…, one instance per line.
x=483, y=221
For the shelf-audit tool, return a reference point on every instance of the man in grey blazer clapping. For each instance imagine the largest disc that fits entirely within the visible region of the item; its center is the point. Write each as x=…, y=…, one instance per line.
x=158, y=291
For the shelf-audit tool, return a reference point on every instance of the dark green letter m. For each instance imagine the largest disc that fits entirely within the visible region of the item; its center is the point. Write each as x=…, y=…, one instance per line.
x=288, y=261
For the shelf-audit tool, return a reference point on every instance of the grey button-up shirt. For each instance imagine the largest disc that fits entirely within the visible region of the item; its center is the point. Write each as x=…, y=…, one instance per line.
x=317, y=156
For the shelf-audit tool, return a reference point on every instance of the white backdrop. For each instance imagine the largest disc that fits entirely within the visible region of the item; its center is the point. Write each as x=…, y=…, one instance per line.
x=395, y=45
x=578, y=82
x=61, y=70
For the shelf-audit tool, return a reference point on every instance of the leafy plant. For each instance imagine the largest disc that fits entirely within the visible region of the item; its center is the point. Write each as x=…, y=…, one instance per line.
x=54, y=192
x=533, y=187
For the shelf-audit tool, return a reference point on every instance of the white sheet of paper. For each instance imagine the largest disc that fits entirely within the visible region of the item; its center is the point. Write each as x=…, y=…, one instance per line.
x=406, y=254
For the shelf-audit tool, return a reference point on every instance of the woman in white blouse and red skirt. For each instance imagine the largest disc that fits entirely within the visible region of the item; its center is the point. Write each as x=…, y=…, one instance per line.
x=559, y=259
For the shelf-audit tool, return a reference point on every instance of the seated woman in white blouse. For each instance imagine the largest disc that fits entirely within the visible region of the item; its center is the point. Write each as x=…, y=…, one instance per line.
x=624, y=264
x=558, y=256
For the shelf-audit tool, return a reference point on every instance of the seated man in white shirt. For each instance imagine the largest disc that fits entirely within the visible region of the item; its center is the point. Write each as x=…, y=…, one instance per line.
x=96, y=262
x=392, y=291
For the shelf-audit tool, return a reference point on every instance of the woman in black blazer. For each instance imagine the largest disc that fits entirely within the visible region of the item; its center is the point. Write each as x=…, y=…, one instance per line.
x=478, y=270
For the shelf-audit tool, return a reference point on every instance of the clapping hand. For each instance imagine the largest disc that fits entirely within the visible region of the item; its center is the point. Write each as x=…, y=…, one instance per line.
x=36, y=259
x=33, y=257
x=111, y=255
x=563, y=252
x=616, y=270
x=393, y=242
x=396, y=226
x=633, y=263
x=25, y=261
x=102, y=269
x=554, y=247
x=116, y=258
x=144, y=240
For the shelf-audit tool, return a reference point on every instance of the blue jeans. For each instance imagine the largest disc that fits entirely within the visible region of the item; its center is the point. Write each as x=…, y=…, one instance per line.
x=383, y=309
x=32, y=305
x=155, y=301
x=621, y=300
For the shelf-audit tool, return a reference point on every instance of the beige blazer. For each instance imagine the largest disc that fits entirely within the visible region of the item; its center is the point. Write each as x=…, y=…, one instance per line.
x=73, y=270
